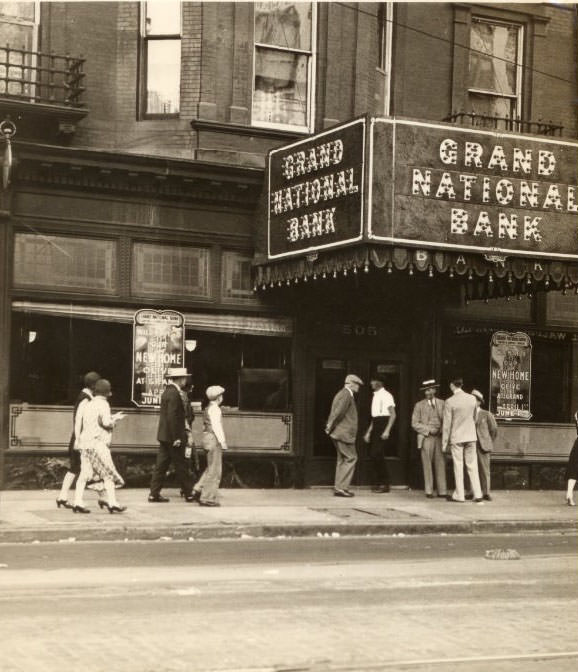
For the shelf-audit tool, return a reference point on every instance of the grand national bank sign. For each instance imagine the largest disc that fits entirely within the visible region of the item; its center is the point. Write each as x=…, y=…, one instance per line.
x=316, y=191
x=454, y=187
x=436, y=186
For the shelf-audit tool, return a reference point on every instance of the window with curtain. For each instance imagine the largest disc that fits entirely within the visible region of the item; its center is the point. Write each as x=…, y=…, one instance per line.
x=283, y=64
x=19, y=30
x=495, y=68
x=161, y=58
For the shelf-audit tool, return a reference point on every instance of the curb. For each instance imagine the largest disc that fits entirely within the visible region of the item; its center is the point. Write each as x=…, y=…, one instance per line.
x=207, y=532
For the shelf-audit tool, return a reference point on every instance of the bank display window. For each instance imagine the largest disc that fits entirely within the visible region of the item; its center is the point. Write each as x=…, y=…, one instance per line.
x=50, y=355
x=466, y=352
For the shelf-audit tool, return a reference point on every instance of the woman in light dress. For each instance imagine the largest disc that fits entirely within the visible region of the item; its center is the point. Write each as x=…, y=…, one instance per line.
x=94, y=444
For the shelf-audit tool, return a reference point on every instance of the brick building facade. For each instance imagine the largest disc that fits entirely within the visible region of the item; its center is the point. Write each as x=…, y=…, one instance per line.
x=152, y=160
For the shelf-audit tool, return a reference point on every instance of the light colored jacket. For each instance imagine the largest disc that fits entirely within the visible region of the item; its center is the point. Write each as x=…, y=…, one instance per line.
x=459, y=424
x=342, y=421
x=421, y=423
x=487, y=429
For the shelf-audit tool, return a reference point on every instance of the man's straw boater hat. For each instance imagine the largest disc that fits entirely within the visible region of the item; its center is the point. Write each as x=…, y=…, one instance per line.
x=428, y=384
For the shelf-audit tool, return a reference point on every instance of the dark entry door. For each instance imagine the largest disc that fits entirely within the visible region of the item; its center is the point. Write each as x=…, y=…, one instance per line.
x=330, y=373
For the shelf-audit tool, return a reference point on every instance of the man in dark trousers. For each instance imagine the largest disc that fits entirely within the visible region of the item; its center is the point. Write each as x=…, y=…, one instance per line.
x=342, y=428
x=172, y=437
x=74, y=455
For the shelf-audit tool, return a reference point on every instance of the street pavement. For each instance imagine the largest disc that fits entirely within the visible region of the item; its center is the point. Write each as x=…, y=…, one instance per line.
x=33, y=516
x=424, y=603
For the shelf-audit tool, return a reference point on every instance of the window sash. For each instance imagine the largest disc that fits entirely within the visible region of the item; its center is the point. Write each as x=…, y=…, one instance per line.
x=147, y=111
x=309, y=86
x=516, y=95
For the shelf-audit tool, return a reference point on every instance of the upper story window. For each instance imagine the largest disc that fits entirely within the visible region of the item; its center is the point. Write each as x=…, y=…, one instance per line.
x=161, y=58
x=284, y=68
x=18, y=42
x=495, y=72
x=384, y=55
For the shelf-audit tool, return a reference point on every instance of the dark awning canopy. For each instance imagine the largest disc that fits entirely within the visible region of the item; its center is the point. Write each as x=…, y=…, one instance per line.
x=486, y=276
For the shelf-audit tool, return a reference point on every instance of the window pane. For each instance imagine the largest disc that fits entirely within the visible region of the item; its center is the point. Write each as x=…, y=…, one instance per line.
x=492, y=106
x=160, y=270
x=20, y=37
x=280, y=87
x=285, y=24
x=20, y=10
x=236, y=278
x=163, y=18
x=163, y=76
x=54, y=262
x=494, y=69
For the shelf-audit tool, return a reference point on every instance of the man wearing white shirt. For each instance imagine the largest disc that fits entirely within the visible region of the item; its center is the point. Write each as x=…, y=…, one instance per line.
x=382, y=418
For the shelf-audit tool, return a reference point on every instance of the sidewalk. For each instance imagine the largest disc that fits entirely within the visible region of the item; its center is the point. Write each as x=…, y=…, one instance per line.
x=28, y=516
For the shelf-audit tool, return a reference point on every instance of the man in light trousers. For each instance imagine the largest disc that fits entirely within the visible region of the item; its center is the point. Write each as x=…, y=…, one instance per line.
x=426, y=421
x=459, y=436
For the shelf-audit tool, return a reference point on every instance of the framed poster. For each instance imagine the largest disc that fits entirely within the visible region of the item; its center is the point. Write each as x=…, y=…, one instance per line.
x=510, y=375
x=158, y=344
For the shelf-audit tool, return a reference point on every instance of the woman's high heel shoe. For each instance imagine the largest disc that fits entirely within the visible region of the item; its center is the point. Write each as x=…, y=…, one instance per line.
x=570, y=501
x=115, y=508
x=64, y=503
x=80, y=509
x=102, y=504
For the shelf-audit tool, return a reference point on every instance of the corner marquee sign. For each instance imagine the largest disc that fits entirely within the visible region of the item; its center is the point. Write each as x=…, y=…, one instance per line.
x=424, y=185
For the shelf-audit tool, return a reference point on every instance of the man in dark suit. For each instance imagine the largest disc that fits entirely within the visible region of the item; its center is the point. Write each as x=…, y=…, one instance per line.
x=172, y=437
x=342, y=428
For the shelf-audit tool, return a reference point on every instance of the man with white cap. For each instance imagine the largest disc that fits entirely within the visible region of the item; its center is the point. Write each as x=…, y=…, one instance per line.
x=172, y=437
x=341, y=426
x=426, y=421
x=214, y=442
x=382, y=418
x=487, y=430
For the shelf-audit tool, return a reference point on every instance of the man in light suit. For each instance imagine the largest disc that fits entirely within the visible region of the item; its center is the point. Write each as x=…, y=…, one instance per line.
x=459, y=436
x=342, y=428
x=487, y=429
x=426, y=420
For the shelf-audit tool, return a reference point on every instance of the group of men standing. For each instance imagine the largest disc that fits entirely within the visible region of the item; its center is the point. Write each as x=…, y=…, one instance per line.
x=458, y=426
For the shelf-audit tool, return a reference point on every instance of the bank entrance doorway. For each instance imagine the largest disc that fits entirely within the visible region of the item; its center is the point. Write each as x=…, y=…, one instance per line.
x=329, y=376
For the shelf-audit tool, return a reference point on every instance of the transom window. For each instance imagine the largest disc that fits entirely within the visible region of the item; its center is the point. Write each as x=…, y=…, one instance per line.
x=63, y=262
x=161, y=58
x=168, y=270
x=495, y=72
x=284, y=64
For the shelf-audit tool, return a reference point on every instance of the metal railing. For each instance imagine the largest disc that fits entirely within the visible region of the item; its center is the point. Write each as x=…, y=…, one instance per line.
x=516, y=124
x=38, y=77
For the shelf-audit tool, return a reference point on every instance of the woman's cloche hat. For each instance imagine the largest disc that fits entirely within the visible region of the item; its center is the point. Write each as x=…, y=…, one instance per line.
x=214, y=391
